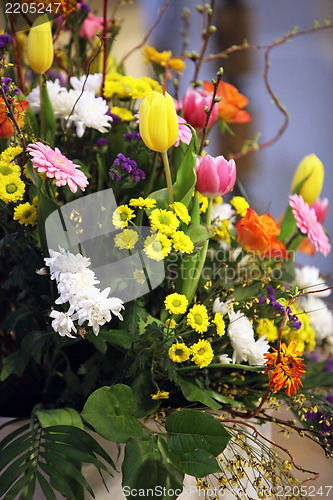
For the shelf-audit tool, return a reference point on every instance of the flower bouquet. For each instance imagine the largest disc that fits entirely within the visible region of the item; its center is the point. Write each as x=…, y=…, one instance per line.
x=132, y=293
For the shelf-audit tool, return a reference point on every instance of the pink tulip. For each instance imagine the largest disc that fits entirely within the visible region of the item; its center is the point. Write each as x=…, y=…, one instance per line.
x=194, y=102
x=320, y=206
x=215, y=176
x=90, y=26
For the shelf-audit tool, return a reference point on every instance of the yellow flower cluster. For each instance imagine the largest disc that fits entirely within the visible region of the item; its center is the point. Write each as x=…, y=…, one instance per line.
x=11, y=186
x=202, y=353
x=240, y=205
x=129, y=87
x=305, y=336
x=163, y=59
x=267, y=327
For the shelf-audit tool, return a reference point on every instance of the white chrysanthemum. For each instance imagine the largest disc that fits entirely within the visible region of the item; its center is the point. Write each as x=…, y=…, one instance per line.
x=55, y=91
x=221, y=307
x=91, y=83
x=222, y=211
x=321, y=318
x=97, y=309
x=308, y=277
x=90, y=111
x=224, y=358
x=62, y=324
x=64, y=103
x=241, y=334
x=65, y=262
x=75, y=287
x=257, y=351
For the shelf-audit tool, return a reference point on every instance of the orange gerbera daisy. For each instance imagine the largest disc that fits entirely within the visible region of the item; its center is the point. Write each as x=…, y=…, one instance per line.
x=287, y=368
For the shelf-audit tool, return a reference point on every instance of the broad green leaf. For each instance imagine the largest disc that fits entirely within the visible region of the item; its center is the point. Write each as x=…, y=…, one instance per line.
x=36, y=179
x=63, y=416
x=194, y=394
x=14, y=471
x=46, y=488
x=110, y=412
x=247, y=292
x=191, y=430
x=200, y=463
x=118, y=338
x=16, y=488
x=145, y=468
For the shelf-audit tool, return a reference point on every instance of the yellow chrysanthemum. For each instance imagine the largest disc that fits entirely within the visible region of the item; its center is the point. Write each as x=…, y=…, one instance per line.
x=8, y=155
x=122, y=216
x=220, y=324
x=266, y=327
x=139, y=276
x=9, y=168
x=163, y=58
x=157, y=246
x=240, y=205
x=181, y=211
x=176, y=303
x=197, y=318
x=142, y=203
x=202, y=353
x=126, y=240
x=203, y=202
x=222, y=231
x=305, y=336
x=179, y=353
x=11, y=188
x=164, y=221
x=25, y=214
x=218, y=200
x=182, y=242
x=170, y=323
x=124, y=114
x=160, y=395
x=35, y=201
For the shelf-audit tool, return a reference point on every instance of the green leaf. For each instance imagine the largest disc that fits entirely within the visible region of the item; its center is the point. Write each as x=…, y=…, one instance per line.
x=46, y=488
x=58, y=481
x=200, y=463
x=199, y=233
x=110, y=412
x=118, y=338
x=48, y=122
x=36, y=179
x=245, y=293
x=194, y=394
x=63, y=416
x=145, y=468
x=45, y=207
x=191, y=430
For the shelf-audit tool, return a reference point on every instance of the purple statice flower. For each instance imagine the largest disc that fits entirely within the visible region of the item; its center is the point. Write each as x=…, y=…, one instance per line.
x=297, y=324
x=261, y=299
x=102, y=142
x=114, y=175
x=17, y=91
x=5, y=40
x=329, y=366
x=125, y=163
x=329, y=398
x=130, y=137
x=115, y=118
x=5, y=84
x=139, y=175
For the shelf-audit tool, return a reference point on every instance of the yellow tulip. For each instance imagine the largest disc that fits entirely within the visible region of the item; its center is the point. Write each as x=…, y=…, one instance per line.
x=40, y=45
x=158, y=121
x=311, y=169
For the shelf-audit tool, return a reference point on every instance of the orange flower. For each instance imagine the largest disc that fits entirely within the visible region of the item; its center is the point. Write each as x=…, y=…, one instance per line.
x=6, y=124
x=258, y=234
x=288, y=368
x=231, y=103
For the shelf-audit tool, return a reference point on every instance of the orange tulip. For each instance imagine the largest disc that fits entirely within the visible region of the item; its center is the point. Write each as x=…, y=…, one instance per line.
x=258, y=234
x=231, y=103
x=6, y=124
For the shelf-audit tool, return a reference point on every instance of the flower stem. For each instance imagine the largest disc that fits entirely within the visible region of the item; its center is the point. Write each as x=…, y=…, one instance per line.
x=167, y=176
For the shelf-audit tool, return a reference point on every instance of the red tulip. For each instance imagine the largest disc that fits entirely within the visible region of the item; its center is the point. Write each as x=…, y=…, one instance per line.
x=215, y=176
x=194, y=103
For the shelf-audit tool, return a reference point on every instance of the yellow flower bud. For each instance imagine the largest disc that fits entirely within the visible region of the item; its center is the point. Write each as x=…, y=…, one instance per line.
x=311, y=169
x=40, y=45
x=158, y=121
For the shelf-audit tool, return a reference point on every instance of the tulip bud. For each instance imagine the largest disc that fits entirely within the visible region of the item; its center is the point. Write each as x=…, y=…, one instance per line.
x=158, y=122
x=321, y=206
x=195, y=102
x=40, y=45
x=311, y=169
x=215, y=176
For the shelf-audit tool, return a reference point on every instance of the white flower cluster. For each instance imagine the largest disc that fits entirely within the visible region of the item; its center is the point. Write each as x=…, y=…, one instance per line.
x=89, y=111
x=76, y=285
x=241, y=335
x=321, y=318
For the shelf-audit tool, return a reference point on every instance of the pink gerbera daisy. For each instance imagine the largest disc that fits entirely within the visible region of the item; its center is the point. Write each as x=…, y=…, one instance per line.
x=57, y=166
x=307, y=223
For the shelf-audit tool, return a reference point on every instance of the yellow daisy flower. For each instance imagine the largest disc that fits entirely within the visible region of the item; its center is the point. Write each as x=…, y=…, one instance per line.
x=157, y=246
x=202, y=353
x=25, y=214
x=164, y=221
x=11, y=188
x=160, y=395
x=181, y=211
x=197, y=318
x=124, y=114
x=122, y=216
x=203, y=202
x=220, y=324
x=8, y=155
x=139, y=276
x=222, y=231
x=176, y=303
x=9, y=168
x=266, y=327
x=182, y=242
x=179, y=353
x=170, y=323
x=240, y=205
x=126, y=240
x=142, y=203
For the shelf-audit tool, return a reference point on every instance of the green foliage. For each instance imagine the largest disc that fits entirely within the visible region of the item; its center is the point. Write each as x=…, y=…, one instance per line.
x=193, y=393
x=51, y=456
